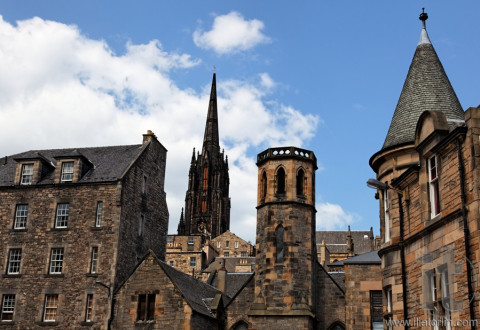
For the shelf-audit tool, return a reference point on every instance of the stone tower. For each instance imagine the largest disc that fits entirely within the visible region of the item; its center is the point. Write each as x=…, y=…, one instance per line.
x=207, y=201
x=285, y=261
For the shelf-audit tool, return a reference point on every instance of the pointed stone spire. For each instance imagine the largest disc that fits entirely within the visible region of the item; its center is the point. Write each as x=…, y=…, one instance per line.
x=181, y=225
x=210, y=139
x=426, y=88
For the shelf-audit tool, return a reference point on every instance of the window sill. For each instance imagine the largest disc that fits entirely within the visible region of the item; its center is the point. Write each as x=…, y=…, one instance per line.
x=91, y=275
x=96, y=228
x=86, y=324
x=59, y=229
x=47, y=324
x=11, y=276
x=7, y=323
x=144, y=323
x=19, y=230
x=53, y=276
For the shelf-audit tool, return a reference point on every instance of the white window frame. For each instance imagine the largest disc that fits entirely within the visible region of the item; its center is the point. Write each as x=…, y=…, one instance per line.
x=14, y=261
x=94, y=260
x=243, y=254
x=386, y=215
x=89, y=308
x=190, y=240
x=61, y=217
x=219, y=244
x=98, y=214
x=193, y=261
x=445, y=290
x=236, y=244
x=433, y=185
x=27, y=174
x=171, y=263
x=227, y=244
x=67, y=171
x=8, y=308
x=50, y=308
x=226, y=254
x=21, y=214
x=56, y=261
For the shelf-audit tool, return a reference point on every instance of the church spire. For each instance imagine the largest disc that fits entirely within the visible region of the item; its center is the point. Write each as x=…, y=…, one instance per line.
x=211, y=140
x=426, y=88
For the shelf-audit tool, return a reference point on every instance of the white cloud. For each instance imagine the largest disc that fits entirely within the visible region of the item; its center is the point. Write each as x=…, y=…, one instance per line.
x=59, y=89
x=231, y=33
x=333, y=217
x=266, y=80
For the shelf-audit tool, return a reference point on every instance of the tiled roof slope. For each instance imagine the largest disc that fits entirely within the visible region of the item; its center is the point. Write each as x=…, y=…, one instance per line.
x=336, y=241
x=109, y=163
x=234, y=281
x=426, y=88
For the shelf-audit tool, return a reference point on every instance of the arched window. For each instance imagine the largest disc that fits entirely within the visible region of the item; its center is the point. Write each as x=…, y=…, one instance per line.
x=264, y=184
x=241, y=325
x=300, y=182
x=280, y=251
x=280, y=181
x=205, y=178
x=337, y=326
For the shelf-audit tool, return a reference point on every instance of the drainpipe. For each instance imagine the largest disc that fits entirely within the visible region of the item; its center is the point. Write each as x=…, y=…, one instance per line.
x=466, y=233
x=402, y=260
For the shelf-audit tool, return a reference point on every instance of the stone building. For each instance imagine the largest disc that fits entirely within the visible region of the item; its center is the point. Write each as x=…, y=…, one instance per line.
x=188, y=253
x=230, y=245
x=207, y=201
x=428, y=182
x=74, y=223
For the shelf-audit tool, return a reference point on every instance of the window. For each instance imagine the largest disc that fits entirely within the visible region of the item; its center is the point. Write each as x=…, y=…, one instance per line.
x=190, y=240
x=376, y=310
x=144, y=184
x=243, y=254
x=388, y=294
x=146, y=307
x=243, y=261
x=67, y=172
x=433, y=186
x=169, y=239
x=204, y=205
x=21, y=213
x=300, y=182
x=279, y=244
x=193, y=261
x=140, y=225
x=61, y=220
x=227, y=244
x=205, y=178
x=56, y=261
x=445, y=292
x=236, y=244
x=14, y=259
x=226, y=254
x=98, y=215
x=89, y=308
x=172, y=263
x=94, y=260
x=219, y=244
x=264, y=184
x=8, y=307
x=27, y=174
x=386, y=213
x=50, y=308
x=280, y=178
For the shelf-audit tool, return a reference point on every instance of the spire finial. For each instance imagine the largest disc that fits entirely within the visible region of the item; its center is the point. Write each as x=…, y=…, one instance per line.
x=423, y=17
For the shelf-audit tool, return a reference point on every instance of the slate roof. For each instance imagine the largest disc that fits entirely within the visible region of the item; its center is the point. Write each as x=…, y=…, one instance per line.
x=426, y=88
x=235, y=282
x=109, y=163
x=336, y=241
x=369, y=258
x=339, y=278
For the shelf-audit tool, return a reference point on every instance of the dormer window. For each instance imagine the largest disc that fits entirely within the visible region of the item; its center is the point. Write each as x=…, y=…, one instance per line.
x=67, y=172
x=27, y=174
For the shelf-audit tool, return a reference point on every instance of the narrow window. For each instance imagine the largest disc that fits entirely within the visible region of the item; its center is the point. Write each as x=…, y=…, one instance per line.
x=21, y=214
x=27, y=174
x=140, y=225
x=243, y=254
x=67, y=172
x=227, y=244
x=433, y=186
x=386, y=214
x=89, y=308
x=300, y=182
x=146, y=307
x=172, y=263
x=169, y=240
x=50, y=308
x=56, y=261
x=204, y=206
x=376, y=310
x=279, y=244
x=61, y=220
x=193, y=261
x=226, y=254
x=144, y=184
x=219, y=244
x=388, y=317
x=280, y=181
x=14, y=259
x=8, y=307
x=98, y=215
x=264, y=184
x=445, y=291
x=190, y=240
x=94, y=260
x=236, y=244
x=205, y=178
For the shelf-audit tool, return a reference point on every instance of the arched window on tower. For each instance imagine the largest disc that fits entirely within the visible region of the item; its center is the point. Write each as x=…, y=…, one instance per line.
x=205, y=178
x=264, y=184
x=300, y=182
x=279, y=243
x=280, y=178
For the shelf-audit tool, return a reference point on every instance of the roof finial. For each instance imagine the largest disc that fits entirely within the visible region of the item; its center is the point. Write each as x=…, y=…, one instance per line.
x=214, y=69
x=423, y=17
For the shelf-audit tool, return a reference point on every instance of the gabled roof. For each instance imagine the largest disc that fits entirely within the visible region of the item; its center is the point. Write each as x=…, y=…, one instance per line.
x=426, y=88
x=109, y=163
x=336, y=241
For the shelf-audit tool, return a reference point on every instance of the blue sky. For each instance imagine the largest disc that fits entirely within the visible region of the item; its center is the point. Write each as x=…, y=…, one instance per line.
x=323, y=75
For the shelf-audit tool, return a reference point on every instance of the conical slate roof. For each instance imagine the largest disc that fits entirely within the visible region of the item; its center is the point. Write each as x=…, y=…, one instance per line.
x=426, y=88
x=211, y=140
